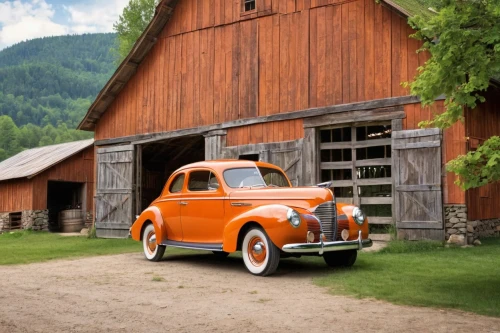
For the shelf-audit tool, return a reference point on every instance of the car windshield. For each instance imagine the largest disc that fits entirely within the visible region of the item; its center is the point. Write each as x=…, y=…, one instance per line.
x=255, y=177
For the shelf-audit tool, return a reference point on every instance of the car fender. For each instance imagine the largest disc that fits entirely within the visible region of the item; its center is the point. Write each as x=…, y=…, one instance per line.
x=272, y=218
x=153, y=214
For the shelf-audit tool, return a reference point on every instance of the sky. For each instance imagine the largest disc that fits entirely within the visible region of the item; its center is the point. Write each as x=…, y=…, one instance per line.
x=22, y=20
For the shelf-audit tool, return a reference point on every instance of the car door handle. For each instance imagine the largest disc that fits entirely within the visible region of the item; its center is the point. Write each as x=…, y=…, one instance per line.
x=183, y=203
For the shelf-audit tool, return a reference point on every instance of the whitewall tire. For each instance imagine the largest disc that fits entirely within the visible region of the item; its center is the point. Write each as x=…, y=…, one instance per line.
x=152, y=251
x=260, y=255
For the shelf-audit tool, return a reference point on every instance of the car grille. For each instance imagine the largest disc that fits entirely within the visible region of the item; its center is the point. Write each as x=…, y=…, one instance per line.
x=327, y=214
x=314, y=227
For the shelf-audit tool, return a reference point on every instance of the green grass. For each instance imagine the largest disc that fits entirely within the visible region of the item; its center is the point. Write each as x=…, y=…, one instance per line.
x=425, y=274
x=28, y=247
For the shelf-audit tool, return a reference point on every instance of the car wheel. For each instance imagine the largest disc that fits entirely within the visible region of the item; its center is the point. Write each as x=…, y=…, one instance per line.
x=220, y=254
x=260, y=255
x=341, y=258
x=152, y=251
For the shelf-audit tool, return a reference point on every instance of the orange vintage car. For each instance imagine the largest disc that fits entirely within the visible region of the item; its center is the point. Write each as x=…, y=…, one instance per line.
x=233, y=205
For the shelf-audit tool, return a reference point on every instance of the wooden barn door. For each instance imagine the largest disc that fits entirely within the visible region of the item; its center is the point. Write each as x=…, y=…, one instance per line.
x=114, y=191
x=417, y=181
x=290, y=160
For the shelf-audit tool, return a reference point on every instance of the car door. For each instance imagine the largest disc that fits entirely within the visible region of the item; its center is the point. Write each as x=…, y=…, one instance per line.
x=202, y=208
x=170, y=207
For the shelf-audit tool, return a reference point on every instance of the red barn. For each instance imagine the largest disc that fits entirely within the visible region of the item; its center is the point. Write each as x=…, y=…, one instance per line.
x=311, y=85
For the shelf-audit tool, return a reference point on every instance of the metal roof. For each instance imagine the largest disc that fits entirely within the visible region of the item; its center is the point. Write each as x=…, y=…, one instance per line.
x=31, y=162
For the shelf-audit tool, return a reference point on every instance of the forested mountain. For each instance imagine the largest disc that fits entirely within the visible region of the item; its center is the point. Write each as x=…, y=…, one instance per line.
x=47, y=85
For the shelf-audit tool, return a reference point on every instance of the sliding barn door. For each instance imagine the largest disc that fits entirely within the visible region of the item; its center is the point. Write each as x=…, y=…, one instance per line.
x=417, y=181
x=114, y=191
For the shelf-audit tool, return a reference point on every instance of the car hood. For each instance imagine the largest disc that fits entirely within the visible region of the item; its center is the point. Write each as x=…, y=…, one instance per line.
x=303, y=197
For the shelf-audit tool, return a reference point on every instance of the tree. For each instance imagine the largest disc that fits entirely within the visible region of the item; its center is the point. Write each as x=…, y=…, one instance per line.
x=131, y=24
x=464, y=41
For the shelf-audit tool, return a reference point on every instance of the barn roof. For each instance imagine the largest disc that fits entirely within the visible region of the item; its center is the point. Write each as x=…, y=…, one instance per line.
x=148, y=38
x=31, y=162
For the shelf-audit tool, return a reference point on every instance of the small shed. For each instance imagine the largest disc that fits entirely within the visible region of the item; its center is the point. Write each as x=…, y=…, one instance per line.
x=38, y=184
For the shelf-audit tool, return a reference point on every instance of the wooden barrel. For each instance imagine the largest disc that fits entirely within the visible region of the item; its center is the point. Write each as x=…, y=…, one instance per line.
x=71, y=220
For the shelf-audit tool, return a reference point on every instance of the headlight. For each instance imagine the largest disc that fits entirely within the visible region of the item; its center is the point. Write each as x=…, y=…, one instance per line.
x=358, y=215
x=294, y=217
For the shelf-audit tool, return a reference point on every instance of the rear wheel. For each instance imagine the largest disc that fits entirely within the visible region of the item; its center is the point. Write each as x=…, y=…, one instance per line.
x=152, y=251
x=260, y=255
x=340, y=258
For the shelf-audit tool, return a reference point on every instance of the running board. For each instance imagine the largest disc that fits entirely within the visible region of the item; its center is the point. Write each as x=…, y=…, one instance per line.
x=194, y=246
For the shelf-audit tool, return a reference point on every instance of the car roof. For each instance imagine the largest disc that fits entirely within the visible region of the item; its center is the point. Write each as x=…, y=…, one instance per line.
x=220, y=165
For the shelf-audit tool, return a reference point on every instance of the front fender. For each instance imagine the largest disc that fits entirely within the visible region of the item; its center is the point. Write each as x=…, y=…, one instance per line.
x=272, y=218
x=152, y=214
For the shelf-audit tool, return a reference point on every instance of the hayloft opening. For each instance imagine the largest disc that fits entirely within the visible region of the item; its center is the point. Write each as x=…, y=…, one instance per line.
x=160, y=160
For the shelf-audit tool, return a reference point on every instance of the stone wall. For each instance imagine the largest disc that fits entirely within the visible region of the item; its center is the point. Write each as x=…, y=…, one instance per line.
x=482, y=228
x=35, y=219
x=466, y=232
x=4, y=220
x=455, y=217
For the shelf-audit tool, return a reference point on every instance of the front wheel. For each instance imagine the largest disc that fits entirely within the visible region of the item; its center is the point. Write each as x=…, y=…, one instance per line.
x=260, y=255
x=341, y=258
x=152, y=251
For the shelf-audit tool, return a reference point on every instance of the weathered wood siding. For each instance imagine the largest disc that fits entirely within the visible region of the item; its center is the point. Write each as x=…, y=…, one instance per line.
x=78, y=168
x=31, y=194
x=16, y=195
x=454, y=144
x=209, y=68
x=277, y=131
x=480, y=124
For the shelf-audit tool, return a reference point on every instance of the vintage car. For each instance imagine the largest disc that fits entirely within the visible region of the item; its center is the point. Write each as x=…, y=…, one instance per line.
x=233, y=205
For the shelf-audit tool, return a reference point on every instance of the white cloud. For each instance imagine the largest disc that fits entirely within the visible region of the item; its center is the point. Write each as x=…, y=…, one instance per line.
x=27, y=20
x=96, y=16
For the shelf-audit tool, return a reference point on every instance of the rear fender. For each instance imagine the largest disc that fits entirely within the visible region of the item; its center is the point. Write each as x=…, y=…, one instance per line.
x=152, y=214
x=272, y=218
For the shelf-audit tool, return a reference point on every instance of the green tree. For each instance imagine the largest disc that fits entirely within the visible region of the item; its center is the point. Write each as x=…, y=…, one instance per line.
x=463, y=38
x=131, y=24
x=9, y=140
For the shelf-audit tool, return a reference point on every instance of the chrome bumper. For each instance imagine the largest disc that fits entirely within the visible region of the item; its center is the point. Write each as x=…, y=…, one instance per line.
x=322, y=247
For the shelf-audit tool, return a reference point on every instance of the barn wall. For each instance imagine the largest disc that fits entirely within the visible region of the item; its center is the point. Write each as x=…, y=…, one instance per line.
x=16, y=195
x=78, y=168
x=482, y=123
x=277, y=131
x=328, y=54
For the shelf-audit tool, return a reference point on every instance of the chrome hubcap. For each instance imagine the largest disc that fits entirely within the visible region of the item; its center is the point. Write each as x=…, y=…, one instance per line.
x=258, y=248
x=152, y=241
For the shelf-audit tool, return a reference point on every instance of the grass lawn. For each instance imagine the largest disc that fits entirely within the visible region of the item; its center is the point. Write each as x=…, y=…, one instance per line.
x=425, y=274
x=28, y=247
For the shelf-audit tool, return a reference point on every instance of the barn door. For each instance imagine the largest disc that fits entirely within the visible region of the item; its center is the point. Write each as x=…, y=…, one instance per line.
x=417, y=181
x=114, y=189
x=289, y=158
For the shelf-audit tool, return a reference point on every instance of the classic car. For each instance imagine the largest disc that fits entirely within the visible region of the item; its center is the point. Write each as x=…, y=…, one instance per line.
x=226, y=206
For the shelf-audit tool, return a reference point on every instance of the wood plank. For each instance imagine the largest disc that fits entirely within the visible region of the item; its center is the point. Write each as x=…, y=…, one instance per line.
x=416, y=133
x=374, y=162
x=416, y=145
x=374, y=181
x=336, y=165
x=419, y=225
x=379, y=220
x=416, y=188
x=341, y=183
x=376, y=201
x=373, y=143
x=336, y=145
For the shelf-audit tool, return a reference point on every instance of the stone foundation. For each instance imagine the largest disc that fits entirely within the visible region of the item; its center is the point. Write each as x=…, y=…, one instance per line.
x=482, y=228
x=463, y=231
x=455, y=217
x=4, y=220
x=89, y=222
x=35, y=220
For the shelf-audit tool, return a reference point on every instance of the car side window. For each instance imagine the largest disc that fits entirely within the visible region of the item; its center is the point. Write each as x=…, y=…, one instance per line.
x=202, y=181
x=177, y=184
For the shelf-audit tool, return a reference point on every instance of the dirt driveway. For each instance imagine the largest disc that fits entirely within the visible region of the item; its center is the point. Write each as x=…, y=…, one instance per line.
x=199, y=293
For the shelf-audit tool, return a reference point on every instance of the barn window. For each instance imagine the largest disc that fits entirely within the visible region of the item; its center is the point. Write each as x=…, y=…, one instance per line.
x=248, y=5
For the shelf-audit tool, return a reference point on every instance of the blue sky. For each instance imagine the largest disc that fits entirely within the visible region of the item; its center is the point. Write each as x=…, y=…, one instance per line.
x=27, y=19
